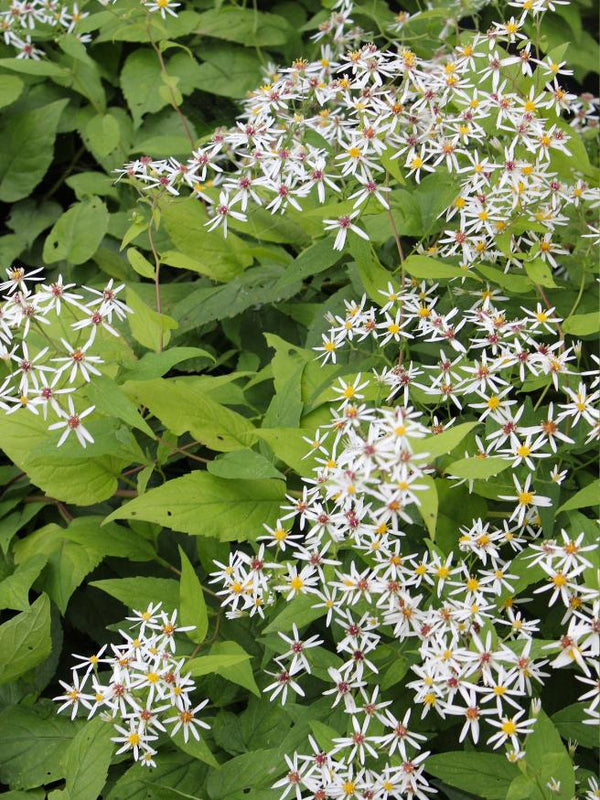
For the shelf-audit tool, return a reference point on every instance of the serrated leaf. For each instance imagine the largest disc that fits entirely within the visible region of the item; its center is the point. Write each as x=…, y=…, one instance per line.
x=486, y=775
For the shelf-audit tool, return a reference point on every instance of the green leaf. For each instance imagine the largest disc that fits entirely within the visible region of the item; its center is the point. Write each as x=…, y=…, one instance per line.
x=73, y=476
x=86, y=184
x=31, y=755
x=140, y=79
x=176, y=777
x=312, y=261
x=181, y=407
x=299, y=611
x=110, y=399
x=140, y=263
x=208, y=665
x=196, y=748
x=373, y=276
x=27, y=147
x=569, y=722
x=582, y=324
x=30, y=67
x=228, y=71
x=255, y=770
x=14, y=590
x=547, y=757
x=484, y=774
x=445, y=442
x=240, y=673
x=540, y=273
x=477, y=468
x=154, y=365
x=30, y=218
x=86, y=762
x=204, y=505
x=148, y=327
x=77, y=234
x=200, y=250
x=243, y=464
x=103, y=133
x=588, y=496
x=520, y=284
x=428, y=504
x=25, y=640
x=425, y=267
x=244, y=26
x=10, y=89
x=192, y=608
x=138, y=593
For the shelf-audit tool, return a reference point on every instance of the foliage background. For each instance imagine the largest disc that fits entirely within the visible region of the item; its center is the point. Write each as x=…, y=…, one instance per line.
x=229, y=351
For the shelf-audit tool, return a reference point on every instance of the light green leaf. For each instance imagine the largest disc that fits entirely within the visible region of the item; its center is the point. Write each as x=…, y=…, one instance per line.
x=154, y=365
x=206, y=252
x=140, y=79
x=10, y=89
x=373, y=276
x=228, y=70
x=588, y=496
x=110, y=399
x=72, y=476
x=428, y=508
x=104, y=133
x=140, y=263
x=148, y=327
x=582, y=324
x=540, y=273
x=486, y=775
x=204, y=505
x=27, y=146
x=445, y=442
x=86, y=184
x=425, y=267
x=138, y=593
x=181, y=407
x=243, y=464
x=86, y=762
x=192, y=608
x=14, y=590
x=477, y=468
x=299, y=611
x=25, y=640
x=208, y=665
x=77, y=234
x=244, y=26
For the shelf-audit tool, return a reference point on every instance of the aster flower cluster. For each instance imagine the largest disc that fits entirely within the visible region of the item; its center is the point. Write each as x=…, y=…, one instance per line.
x=138, y=686
x=26, y=18
x=44, y=372
x=491, y=113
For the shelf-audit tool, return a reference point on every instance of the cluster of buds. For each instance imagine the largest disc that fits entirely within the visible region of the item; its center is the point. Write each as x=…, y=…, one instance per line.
x=44, y=379
x=138, y=686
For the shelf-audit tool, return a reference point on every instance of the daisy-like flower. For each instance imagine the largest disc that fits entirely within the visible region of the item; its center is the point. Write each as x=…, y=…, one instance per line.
x=510, y=728
x=222, y=211
x=526, y=498
x=188, y=722
x=164, y=7
x=284, y=681
x=342, y=225
x=297, y=649
x=71, y=423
